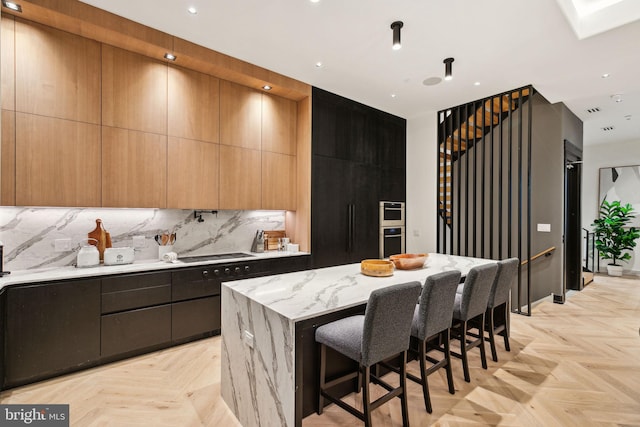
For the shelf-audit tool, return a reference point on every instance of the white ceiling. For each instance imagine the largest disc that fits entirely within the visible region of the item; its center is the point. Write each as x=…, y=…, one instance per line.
x=561, y=47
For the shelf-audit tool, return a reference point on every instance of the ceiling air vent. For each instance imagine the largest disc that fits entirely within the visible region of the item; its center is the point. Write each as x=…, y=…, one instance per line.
x=607, y=128
x=593, y=110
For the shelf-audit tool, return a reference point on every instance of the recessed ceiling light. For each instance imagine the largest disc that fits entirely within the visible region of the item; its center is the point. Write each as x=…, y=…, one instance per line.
x=476, y=84
x=628, y=117
x=170, y=56
x=192, y=10
x=606, y=75
x=617, y=97
x=318, y=64
x=266, y=87
x=314, y=1
x=393, y=95
x=11, y=5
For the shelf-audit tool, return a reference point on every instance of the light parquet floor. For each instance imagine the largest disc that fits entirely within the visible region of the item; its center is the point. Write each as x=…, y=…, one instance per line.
x=576, y=364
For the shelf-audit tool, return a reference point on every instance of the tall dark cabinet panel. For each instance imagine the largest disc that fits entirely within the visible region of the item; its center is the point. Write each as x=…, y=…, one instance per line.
x=358, y=160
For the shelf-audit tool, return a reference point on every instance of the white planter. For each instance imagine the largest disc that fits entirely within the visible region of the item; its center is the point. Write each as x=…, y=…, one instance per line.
x=614, y=270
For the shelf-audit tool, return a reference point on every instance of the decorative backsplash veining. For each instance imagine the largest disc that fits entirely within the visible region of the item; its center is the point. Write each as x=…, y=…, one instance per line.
x=29, y=234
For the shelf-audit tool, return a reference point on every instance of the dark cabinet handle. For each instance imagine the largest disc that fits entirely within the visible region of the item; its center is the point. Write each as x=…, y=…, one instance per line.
x=351, y=221
x=353, y=225
x=349, y=226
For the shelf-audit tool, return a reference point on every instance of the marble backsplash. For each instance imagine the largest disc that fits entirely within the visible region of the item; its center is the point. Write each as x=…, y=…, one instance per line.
x=29, y=234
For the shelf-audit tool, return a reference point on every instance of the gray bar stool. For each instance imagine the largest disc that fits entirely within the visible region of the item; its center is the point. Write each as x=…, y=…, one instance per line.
x=499, y=302
x=381, y=333
x=468, y=312
x=431, y=320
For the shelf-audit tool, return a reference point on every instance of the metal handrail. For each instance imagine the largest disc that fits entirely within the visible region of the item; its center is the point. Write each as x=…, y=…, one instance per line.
x=546, y=252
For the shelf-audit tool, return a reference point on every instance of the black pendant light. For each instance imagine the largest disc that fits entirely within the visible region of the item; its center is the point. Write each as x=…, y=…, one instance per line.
x=396, y=34
x=447, y=68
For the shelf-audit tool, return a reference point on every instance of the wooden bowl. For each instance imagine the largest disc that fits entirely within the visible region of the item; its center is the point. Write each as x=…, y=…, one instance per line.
x=408, y=261
x=376, y=267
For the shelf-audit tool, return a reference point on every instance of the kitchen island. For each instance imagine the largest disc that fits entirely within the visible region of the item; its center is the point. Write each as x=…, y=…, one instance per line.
x=268, y=326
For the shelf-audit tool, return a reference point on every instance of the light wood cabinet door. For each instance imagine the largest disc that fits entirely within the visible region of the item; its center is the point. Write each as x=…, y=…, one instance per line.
x=8, y=158
x=278, y=181
x=240, y=178
x=194, y=105
x=134, y=169
x=240, y=116
x=192, y=174
x=7, y=63
x=57, y=162
x=57, y=73
x=279, y=123
x=134, y=91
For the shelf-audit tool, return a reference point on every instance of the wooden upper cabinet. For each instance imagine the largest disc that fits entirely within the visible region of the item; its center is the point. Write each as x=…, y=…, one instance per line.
x=278, y=181
x=192, y=174
x=134, y=91
x=7, y=63
x=8, y=159
x=240, y=116
x=194, y=105
x=57, y=162
x=134, y=169
x=240, y=178
x=57, y=73
x=279, y=123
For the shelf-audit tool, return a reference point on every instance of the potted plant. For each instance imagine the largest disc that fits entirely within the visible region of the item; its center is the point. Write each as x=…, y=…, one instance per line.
x=614, y=238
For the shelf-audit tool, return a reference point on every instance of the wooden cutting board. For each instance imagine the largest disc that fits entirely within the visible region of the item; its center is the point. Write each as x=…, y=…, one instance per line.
x=102, y=238
x=271, y=239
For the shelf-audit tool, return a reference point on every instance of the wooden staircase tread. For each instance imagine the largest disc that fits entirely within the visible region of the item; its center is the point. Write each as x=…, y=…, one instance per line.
x=490, y=118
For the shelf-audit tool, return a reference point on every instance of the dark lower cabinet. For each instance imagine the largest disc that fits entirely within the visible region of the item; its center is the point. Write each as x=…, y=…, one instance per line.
x=54, y=328
x=136, y=314
x=196, y=318
x=131, y=331
x=50, y=329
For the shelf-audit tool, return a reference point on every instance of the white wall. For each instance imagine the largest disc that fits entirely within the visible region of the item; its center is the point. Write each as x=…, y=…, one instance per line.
x=421, y=183
x=600, y=156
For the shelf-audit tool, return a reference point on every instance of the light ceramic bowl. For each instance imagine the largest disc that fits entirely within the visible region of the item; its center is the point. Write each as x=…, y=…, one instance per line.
x=408, y=261
x=376, y=267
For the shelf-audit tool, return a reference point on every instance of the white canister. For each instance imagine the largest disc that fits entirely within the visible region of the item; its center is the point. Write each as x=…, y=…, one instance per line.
x=88, y=256
x=164, y=249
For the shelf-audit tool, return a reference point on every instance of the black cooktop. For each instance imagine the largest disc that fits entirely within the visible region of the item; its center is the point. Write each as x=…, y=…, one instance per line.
x=215, y=257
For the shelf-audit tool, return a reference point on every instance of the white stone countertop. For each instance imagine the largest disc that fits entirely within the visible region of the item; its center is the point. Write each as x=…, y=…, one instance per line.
x=70, y=272
x=311, y=293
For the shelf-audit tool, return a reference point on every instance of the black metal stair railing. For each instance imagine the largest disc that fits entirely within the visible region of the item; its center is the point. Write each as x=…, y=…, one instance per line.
x=484, y=179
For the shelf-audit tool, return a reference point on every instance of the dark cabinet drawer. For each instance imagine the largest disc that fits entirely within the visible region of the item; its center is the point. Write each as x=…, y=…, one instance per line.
x=135, y=330
x=135, y=291
x=196, y=317
x=194, y=283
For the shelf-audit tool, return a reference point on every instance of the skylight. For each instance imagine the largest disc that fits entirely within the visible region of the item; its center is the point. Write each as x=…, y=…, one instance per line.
x=591, y=17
